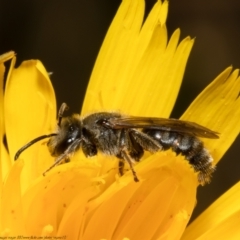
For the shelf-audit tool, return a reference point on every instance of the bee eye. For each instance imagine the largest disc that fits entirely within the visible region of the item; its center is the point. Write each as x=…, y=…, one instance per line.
x=71, y=128
x=101, y=122
x=70, y=140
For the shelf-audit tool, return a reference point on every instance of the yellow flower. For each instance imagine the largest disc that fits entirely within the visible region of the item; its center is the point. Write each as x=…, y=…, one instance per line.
x=138, y=72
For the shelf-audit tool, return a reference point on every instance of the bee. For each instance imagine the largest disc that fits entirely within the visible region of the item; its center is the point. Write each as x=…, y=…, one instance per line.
x=127, y=138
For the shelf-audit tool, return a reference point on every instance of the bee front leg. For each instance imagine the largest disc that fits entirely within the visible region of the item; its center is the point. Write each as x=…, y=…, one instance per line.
x=88, y=148
x=65, y=156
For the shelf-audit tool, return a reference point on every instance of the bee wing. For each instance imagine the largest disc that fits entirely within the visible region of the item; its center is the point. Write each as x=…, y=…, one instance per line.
x=165, y=124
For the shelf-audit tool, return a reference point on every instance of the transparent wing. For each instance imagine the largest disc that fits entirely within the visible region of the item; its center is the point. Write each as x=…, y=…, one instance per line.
x=166, y=124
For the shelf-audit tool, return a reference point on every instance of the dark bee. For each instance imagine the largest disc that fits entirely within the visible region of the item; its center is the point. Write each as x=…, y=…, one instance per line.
x=127, y=138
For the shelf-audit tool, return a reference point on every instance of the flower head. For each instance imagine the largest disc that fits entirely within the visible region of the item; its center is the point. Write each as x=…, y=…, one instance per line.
x=137, y=69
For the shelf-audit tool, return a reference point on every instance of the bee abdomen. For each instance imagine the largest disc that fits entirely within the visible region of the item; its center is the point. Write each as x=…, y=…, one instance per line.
x=190, y=147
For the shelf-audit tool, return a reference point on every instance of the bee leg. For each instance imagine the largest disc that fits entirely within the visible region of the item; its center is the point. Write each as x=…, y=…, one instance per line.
x=121, y=167
x=146, y=142
x=65, y=155
x=126, y=146
x=88, y=148
x=130, y=161
x=58, y=161
x=66, y=160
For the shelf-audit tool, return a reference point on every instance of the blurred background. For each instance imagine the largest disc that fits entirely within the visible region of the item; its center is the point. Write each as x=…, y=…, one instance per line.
x=66, y=36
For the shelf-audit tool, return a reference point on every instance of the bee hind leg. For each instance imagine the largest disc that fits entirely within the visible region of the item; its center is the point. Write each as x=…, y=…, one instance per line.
x=130, y=161
x=121, y=167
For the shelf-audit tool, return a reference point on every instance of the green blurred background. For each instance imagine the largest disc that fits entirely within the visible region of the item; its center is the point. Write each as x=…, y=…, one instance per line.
x=66, y=37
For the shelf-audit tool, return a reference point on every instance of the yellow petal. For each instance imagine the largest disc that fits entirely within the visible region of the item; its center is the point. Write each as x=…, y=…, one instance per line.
x=220, y=220
x=11, y=208
x=57, y=195
x=5, y=162
x=47, y=231
x=117, y=47
x=135, y=71
x=6, y=56
x=218, y=108
x=77, y=207
x=153, y=89
x=30, y=111
x=165, y=195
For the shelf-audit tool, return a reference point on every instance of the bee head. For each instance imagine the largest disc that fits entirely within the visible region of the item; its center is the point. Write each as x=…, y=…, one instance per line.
x=69, y=129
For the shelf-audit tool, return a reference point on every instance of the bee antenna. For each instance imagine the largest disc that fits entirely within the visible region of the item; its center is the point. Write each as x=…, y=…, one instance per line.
x=31, y=143
x=64, y=107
